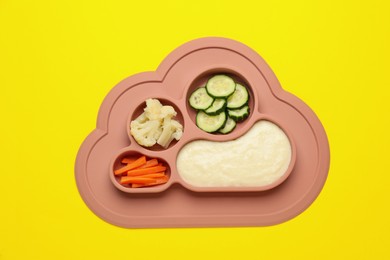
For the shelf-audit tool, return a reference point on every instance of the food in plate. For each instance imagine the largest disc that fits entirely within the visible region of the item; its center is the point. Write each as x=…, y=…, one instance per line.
x=258, y=158
x=140, y=172
x=239, y=114
x=229, y=126
x=220, y=104
x=220, y=86
x=156, y=125
x=200, y=99
x=210, y=123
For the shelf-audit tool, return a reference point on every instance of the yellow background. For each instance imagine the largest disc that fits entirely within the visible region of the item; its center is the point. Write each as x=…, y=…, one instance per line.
x=58, y=60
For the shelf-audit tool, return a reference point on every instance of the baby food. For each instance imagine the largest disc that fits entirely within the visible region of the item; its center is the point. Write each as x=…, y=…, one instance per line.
x=138, y=172
x=258, y=158
x=156, y=125
x=220, y=104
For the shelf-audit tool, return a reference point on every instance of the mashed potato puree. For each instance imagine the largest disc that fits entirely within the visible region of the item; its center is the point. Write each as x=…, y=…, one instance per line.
x=258, y=158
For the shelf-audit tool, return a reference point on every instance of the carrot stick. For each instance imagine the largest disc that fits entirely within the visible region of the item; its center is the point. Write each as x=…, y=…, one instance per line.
x=153, y=175
x=137, y=172
x=161, y=180
x=150, y=163
x=128, y=160
x=140, y=180
x=140, y=161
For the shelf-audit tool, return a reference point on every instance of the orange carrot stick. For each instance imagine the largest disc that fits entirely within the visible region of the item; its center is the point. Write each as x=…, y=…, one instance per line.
x=138, y=172
x=128, y=160
x=161, y=180
x=150, y=163
x=139, y=180
x=140, y=161
x=153, y=175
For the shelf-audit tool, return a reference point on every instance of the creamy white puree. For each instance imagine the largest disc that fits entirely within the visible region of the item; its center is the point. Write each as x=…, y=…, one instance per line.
x=258, y=158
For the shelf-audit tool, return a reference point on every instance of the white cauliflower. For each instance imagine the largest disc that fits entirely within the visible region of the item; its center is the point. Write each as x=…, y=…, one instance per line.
x=167, y=111
x=172, y=129
x=178, y=130
x=145, y=132
x=156, y=125
x=153, y=109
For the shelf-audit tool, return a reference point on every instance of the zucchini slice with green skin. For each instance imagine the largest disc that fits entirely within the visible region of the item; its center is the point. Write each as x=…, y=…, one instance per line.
x=239, y=114
x=200, y=100
x=217, y=107
x=229, y=126
x=220, y=86
x=209, y=123
x=239, y=98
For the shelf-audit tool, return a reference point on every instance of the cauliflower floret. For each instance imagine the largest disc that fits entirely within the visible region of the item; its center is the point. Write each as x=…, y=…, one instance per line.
x=145, y=133
x=172, y=129
x=153, y=109
x=167, y=112
x=156, y=125
x=178, y=130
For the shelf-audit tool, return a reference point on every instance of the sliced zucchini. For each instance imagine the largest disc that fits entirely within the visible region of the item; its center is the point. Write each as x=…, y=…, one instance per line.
x=210, y=123
x=220, y=86
x=239, y=114
x=200, y=100
x=239, y=98
x=217, y=107
x=229, y=126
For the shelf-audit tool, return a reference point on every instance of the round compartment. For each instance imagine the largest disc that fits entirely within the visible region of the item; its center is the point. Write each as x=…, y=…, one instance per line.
x=201, y=81
x=140, y=109
x=117, y=164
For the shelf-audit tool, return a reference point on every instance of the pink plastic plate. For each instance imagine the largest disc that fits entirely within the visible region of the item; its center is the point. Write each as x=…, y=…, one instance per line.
x=177, y=203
